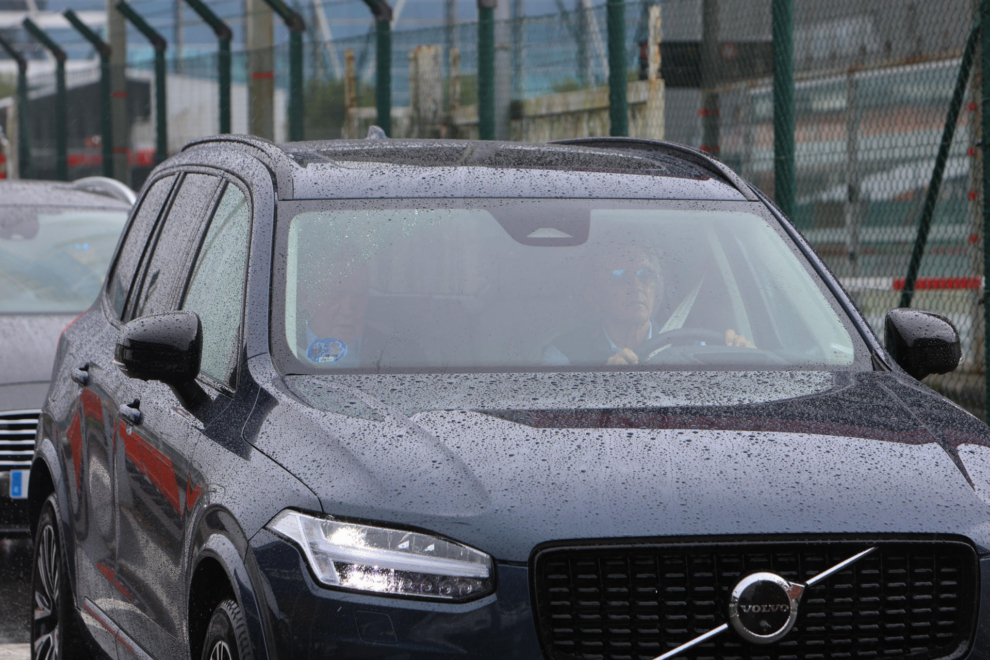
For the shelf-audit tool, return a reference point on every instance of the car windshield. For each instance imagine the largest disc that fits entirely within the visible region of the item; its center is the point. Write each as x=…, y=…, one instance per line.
x=54, y=259
x=532, y=285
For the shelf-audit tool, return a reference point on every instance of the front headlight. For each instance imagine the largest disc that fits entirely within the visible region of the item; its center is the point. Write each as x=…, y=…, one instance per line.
x=387, y=561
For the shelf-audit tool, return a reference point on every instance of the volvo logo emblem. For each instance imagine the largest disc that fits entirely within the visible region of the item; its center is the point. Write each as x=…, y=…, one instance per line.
x=763, y=607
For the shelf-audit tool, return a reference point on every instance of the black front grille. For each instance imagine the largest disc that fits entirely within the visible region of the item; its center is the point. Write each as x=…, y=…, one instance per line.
x=910, y=599
x=17, y=429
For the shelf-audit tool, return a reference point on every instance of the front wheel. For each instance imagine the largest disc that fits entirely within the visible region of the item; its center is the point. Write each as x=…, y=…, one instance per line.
x=56, y=632
x=226, y=636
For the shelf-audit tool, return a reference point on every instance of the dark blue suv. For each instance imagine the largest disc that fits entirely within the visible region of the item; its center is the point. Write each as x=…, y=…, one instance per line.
x=437, y=399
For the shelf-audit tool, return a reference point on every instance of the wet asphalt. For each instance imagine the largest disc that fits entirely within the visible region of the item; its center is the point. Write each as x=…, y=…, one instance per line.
x=15, y=596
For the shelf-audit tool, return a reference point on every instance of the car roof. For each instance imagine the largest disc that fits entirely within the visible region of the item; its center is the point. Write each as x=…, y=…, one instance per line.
x=55, y=193
x=587, y=168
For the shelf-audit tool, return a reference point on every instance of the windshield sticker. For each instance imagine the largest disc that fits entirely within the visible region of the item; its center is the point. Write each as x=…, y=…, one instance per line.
x=324, y=351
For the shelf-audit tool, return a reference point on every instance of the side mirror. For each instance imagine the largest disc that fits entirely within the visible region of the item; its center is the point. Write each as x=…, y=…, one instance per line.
x=922, y=343
x=164, y=347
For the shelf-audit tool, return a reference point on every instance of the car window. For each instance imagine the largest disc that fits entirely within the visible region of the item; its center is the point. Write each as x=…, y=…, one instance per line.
x=216, y=288
x=556, y=284
x=174, y=237
x=54, y=259
x=134, y=243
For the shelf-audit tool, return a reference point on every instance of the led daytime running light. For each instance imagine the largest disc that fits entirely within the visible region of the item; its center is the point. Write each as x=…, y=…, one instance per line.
x=384, y=560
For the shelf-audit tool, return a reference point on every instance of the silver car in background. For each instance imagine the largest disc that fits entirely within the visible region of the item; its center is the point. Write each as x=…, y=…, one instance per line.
x=56, y=241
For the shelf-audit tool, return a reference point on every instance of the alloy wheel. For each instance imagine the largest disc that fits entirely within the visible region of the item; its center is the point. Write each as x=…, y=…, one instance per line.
x=47, y=627
x=220, y=651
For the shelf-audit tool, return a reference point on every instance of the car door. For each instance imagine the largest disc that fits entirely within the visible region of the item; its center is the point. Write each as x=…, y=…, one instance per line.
x=90, y=434
x=153, y=445
x=214, y=291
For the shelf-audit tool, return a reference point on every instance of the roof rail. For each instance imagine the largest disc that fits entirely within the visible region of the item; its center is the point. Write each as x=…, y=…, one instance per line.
x=699, y=158
x=272, y=155
x=105, y=186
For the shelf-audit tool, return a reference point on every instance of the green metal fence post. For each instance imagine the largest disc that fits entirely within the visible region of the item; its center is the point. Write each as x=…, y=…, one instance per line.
x=783, y=105
x=26, y=164
x=383, y=62
x=297, y=26
x=161, y=107
x=931, y=197
x=224, y=63
x=985, y=145
x=711, y=61
x=23, y=133
x=618, y=106
x=486, y=69
x=61, y=116
x=296, y=85
x=224, y=35
x=106, y=120
x=383, y=75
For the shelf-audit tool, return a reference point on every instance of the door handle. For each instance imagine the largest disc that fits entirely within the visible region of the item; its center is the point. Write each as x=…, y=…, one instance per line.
x=130, y=413
x=80, y=374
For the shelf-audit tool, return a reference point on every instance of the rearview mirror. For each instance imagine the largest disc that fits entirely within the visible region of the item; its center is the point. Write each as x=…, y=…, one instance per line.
x=922, y=343
x=164, y=347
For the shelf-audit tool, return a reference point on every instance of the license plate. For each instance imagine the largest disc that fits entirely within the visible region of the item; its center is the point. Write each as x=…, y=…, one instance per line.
x=19, y=484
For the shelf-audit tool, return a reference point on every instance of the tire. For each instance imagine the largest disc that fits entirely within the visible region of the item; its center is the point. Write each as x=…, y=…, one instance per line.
x=56, y=628
x=227, y=636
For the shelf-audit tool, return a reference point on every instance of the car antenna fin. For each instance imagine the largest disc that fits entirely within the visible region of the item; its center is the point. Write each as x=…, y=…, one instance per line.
x=376, y=133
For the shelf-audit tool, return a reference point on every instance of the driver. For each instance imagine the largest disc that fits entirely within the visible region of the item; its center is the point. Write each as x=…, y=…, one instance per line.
x=624, y=287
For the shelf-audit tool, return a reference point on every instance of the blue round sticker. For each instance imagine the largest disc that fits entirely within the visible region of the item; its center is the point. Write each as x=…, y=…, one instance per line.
x=325, y=351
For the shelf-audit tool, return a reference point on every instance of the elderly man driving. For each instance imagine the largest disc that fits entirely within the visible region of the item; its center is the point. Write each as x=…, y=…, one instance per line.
x=626, y=283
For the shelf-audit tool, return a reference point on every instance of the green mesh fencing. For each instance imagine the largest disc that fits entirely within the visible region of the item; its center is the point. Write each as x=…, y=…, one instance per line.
x=873, y=85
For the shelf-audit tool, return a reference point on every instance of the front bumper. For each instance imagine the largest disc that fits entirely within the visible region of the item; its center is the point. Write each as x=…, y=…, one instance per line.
x=312, y=621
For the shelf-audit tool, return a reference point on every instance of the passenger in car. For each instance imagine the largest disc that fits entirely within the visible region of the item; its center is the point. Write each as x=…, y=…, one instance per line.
x=334, y=332
x=625, y=285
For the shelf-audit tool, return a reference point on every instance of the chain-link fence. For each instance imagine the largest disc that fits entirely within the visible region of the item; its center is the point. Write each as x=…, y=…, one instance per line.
x=550, y=80
x=873, y=88
x=874, y=82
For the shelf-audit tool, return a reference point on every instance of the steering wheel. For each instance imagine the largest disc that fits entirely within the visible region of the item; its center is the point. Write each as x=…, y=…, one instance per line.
x=679, y=337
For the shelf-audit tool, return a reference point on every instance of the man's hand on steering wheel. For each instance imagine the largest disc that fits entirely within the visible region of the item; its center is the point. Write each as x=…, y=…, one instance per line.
x=624, y=356
x=732, y=339
x=652, y=348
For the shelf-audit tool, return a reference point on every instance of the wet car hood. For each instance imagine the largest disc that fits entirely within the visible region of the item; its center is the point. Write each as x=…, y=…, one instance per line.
x=27, y=344
x=506, y=462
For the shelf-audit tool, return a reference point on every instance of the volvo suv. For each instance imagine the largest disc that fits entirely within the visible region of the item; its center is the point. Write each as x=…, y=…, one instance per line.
x=438, y=399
